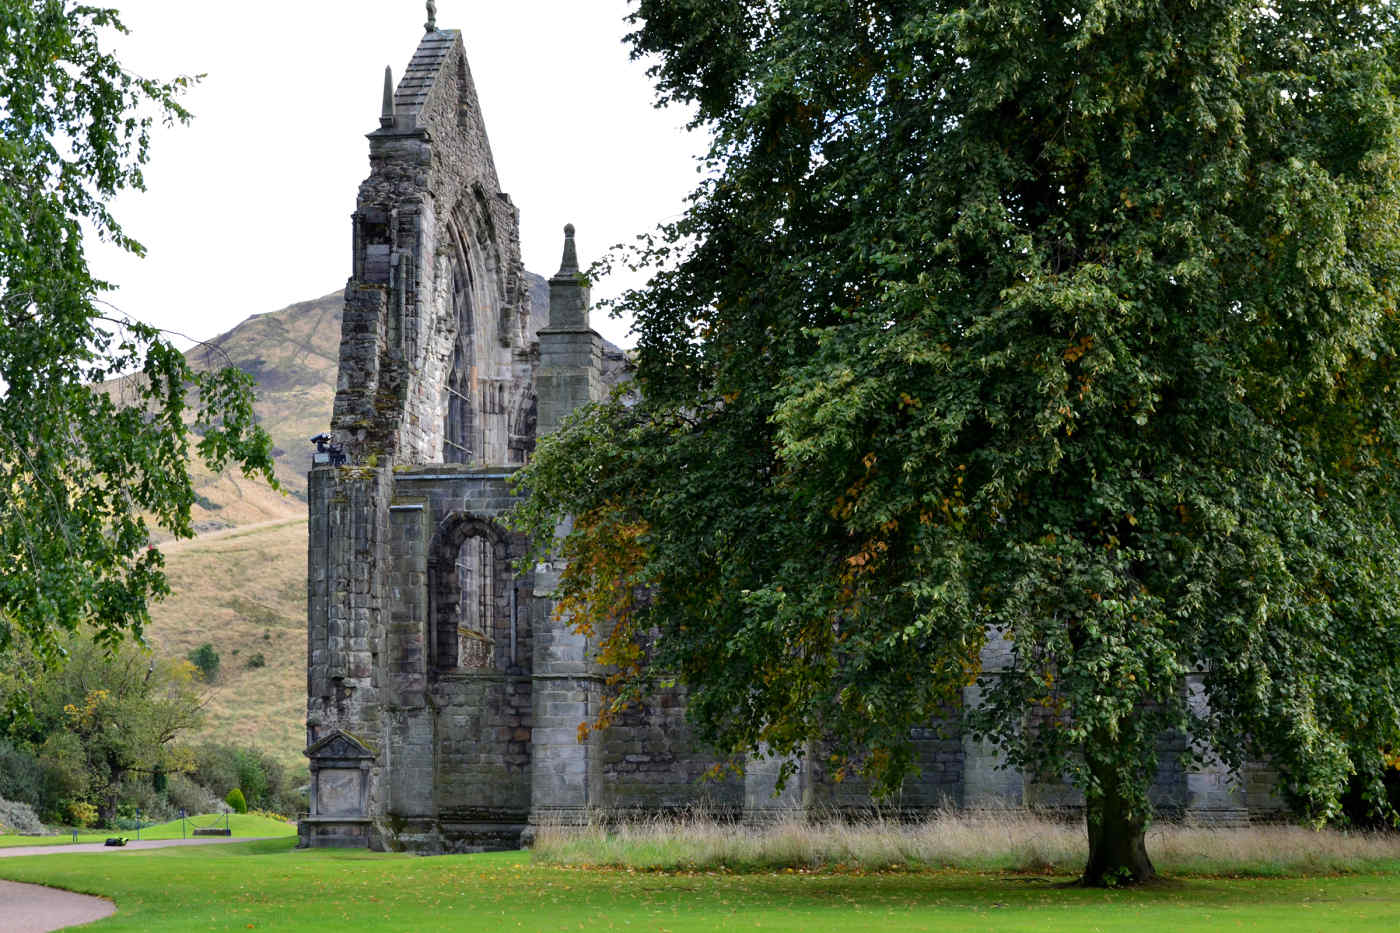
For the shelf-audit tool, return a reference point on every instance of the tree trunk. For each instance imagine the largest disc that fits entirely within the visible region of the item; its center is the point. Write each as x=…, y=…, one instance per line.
x=1117, y=837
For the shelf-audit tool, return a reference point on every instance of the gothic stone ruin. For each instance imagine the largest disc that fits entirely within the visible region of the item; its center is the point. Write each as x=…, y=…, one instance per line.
x=443, y=697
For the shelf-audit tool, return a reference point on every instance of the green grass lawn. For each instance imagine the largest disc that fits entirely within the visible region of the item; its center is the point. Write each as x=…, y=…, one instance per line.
x=242, y=824
x=269, y=885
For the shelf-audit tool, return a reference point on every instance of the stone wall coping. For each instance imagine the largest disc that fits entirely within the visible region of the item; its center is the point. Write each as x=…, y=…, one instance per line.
x=416, y=132
x=331, y=820
x=585, y=329
x=490, y=676
x=439, y=471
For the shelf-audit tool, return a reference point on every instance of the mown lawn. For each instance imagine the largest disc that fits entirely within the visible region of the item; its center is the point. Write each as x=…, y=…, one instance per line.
x=269, y=885
x=246, y=825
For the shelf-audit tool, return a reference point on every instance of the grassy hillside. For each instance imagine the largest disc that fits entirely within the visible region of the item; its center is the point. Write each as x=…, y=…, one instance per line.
x=244, y=592
x=292, y=355
x=241, y=585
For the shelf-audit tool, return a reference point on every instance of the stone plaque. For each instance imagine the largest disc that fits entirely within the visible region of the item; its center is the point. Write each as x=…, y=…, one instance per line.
x=338, y=792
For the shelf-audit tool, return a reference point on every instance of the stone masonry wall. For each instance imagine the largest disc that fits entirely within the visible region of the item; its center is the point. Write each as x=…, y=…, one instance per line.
x=345, y=601
x=479, y=772
x=483, y=767
x=650, y=762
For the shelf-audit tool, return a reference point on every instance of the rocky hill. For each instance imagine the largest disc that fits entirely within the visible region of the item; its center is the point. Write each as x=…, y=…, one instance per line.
x=292, y=356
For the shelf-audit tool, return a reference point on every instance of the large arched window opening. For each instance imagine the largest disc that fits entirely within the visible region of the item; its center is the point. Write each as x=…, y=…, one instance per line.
x=460, y=443
x=473, y=605
x=476, y=390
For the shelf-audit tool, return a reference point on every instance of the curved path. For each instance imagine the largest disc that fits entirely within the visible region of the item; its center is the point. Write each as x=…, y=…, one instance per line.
x=69, y=848
x=33, y=908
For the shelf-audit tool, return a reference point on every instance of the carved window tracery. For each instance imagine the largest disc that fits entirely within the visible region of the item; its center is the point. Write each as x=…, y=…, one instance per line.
x=471, y=581
x=460, y=442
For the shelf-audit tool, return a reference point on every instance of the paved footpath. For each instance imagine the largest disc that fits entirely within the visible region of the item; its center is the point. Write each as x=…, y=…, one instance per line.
x=33, y=908
x=68, y=848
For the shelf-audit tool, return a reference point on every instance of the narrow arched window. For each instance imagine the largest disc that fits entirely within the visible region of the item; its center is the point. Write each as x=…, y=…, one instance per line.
x=459, y=434
x=470, y=582
x=476, y=603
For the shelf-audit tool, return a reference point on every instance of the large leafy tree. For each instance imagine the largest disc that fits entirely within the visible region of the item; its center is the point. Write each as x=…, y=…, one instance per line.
x=1067, y=324
x=85, y=470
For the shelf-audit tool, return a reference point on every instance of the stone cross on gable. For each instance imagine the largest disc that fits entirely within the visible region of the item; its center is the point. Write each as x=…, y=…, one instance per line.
x=431, y=24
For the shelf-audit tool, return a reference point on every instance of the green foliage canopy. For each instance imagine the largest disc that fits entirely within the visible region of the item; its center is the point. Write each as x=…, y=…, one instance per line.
x=82, y=470
x=99, y=719
x=1070, y=323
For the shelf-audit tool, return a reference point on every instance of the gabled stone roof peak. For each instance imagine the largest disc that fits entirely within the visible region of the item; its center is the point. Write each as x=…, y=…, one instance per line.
x=422, y=72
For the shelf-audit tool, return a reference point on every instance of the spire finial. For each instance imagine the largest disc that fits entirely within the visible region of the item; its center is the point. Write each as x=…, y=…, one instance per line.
x=386, y=112
x=431, y=24
x=569, y=265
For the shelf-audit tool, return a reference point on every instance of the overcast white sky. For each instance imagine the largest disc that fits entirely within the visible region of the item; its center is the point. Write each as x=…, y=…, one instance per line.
x=248, y=207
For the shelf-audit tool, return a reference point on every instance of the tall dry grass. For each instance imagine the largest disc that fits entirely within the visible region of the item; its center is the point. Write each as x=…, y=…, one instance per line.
x=244, y=592
x=1011, y=840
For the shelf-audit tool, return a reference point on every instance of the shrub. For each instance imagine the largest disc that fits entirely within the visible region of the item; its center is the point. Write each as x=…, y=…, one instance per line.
x=184, y=794
x=19, y=817
x=21, y=776
x=81, y=813
x=136, y=795
x=263, y=780
x=271, y=815
x=207, y=660
x=263, y=773
x=257, y=661
x=236, y=801
x=66, y=774
x=216, y=768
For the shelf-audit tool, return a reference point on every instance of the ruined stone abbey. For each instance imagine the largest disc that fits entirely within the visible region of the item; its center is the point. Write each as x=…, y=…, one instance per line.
x=443, y=697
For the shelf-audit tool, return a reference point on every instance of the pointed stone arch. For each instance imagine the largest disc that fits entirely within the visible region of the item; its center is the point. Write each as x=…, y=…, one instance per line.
x=472, y=604
x=461, y=434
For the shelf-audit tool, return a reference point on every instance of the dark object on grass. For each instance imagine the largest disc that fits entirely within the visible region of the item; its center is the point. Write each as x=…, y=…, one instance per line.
x=115, y=841
x=211, y=831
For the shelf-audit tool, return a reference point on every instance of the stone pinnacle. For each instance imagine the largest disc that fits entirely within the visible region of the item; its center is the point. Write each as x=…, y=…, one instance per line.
x=386, y=112
x=431, y=24
x=569, y=265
